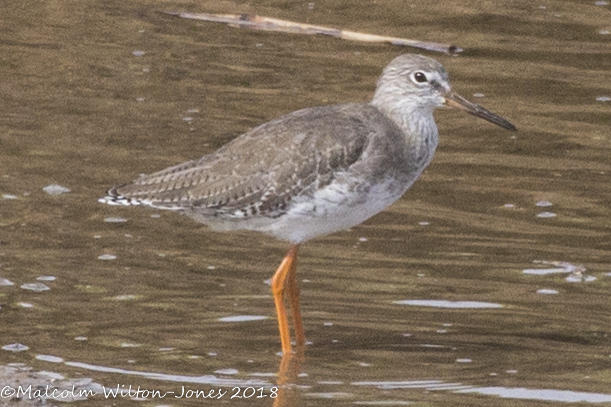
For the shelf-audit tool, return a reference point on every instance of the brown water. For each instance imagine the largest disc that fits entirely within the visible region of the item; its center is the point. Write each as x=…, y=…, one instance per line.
x=81, y=109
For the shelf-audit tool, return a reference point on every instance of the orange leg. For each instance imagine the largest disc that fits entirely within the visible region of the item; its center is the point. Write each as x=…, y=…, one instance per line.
x=286, y=279
x=293, y=295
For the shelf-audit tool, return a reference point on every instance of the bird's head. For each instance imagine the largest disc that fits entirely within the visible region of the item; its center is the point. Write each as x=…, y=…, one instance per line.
x=413, y=83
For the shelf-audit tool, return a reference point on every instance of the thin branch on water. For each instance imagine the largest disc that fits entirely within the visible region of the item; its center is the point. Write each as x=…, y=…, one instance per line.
x=273, y=24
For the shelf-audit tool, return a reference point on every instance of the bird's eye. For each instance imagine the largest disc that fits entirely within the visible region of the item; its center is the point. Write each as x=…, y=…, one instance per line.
x=419, y=77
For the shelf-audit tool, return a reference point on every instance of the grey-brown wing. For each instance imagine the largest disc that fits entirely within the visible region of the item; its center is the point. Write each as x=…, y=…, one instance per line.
x=261, y=171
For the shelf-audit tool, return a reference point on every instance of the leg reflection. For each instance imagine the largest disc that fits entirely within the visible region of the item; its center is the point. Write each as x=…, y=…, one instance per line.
x=290, y=366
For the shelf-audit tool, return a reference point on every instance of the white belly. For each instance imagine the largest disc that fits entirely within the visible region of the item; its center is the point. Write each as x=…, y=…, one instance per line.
x=331, y=209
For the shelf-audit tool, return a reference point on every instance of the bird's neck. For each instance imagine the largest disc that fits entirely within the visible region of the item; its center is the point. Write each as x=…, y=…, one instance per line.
x=417, y=125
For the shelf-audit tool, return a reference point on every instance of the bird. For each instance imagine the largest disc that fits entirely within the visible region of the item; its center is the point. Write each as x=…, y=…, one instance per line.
x=312, y=172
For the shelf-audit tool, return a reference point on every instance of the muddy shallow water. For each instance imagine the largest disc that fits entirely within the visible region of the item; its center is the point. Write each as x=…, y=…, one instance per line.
x=487, y=284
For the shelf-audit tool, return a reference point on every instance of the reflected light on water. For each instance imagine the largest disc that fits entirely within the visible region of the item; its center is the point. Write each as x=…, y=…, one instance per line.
x=243, y=318
x=449, y=304
x=567, y=396
x=206, y=379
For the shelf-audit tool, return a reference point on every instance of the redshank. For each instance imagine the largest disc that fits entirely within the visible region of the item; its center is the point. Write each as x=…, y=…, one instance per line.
x=314, y=171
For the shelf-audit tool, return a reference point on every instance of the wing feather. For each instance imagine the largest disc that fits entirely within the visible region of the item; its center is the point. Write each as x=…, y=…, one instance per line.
x=260, y=172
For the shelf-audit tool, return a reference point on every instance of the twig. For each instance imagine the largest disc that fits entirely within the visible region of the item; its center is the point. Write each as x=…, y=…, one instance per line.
x=272, y=24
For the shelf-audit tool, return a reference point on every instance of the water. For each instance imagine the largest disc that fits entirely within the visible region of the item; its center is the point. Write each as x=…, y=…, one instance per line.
x=95, y=93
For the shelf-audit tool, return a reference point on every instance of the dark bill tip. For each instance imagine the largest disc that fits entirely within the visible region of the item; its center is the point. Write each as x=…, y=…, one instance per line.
x=455, y=100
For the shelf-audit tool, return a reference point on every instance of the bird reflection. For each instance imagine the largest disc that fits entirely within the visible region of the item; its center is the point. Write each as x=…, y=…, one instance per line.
x=288, y=372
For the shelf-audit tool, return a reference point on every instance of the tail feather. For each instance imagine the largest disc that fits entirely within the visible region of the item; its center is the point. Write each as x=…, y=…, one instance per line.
x=114, y=198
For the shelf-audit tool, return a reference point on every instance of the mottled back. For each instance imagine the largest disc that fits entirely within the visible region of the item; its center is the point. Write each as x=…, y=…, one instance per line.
x=260, y=172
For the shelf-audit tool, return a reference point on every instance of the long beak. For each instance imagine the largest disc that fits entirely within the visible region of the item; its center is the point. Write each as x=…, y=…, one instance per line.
x=455, y=100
